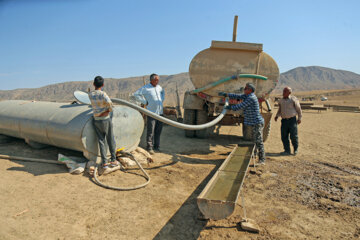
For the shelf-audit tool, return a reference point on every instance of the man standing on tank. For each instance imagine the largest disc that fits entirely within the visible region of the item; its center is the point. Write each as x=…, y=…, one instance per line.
x=252, y=116
x=152, y=95
x=289, y=107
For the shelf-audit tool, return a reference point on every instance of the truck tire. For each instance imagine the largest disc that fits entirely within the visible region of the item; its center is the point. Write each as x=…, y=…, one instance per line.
x=189, y=118
x=201, y=118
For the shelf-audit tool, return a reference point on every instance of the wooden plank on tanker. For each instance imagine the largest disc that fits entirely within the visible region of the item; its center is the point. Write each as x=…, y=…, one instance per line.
x=237, y=45
x=219, y=197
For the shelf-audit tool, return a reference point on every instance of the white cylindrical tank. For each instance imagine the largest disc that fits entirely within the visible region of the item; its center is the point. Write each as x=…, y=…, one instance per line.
x=67, y=125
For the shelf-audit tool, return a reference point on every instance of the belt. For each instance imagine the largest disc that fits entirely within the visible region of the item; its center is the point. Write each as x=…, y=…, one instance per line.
x=288, y=118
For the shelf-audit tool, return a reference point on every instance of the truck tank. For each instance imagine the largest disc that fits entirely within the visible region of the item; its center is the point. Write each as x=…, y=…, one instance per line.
x=226, y=67
x=225, y=59
x=67, y=125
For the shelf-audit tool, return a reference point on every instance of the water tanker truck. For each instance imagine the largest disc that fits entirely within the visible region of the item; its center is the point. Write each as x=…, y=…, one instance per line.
x=227, y=67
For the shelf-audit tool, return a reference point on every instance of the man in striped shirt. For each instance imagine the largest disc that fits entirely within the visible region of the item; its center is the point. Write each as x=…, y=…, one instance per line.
x=252, y=116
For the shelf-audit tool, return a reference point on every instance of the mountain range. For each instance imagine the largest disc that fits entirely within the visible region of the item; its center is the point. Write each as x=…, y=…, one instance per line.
x=300, y=79
x=318, y=78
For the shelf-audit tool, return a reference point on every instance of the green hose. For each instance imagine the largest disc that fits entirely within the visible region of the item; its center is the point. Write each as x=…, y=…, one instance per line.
x=214, y=84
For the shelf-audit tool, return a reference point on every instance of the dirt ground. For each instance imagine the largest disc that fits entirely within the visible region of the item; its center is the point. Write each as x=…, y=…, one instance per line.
x=314, y=195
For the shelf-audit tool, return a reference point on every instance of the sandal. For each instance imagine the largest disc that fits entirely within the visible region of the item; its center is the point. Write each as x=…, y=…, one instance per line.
x=114, y=163
x=106, y=165
x=106, y=169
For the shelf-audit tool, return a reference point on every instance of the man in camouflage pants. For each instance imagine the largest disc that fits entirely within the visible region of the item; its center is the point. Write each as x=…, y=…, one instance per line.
x=252, y=116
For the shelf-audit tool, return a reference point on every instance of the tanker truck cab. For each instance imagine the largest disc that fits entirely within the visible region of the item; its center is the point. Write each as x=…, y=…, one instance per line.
x=227, y=67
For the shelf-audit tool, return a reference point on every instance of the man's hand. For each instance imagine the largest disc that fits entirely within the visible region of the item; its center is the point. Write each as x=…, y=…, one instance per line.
x=223, y=94
x=276, y=118
x=228, y=107
x=298, y=121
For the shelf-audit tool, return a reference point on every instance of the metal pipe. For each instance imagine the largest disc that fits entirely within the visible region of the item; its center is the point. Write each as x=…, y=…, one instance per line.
x=27, y=159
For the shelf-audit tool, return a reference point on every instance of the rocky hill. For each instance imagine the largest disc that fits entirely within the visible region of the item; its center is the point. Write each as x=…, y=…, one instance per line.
x=300, y=79
x=318, y=78
x=119, y=88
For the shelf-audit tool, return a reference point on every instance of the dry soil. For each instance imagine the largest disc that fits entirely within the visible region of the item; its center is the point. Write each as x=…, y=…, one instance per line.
x=314, y=195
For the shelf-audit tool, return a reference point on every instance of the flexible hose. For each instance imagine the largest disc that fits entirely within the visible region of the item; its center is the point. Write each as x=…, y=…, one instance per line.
x=83, y=97
x=147, y=177
x=162, y=119
x=170, y=122
x=27, y=159
x=157, y=117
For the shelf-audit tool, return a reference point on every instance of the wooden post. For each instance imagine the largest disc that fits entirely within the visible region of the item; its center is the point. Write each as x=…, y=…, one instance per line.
x=178, y=109
x=235, y=28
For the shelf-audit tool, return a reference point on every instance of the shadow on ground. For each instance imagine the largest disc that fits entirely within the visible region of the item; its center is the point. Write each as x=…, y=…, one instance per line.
x=36, y=168
x=184, y=224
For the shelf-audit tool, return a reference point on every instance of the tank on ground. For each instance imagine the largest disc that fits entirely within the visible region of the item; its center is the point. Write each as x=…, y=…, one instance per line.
x=67, y=125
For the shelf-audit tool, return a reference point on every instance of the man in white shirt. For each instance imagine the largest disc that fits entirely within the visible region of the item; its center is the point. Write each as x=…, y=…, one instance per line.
x=289, y=107
x=152, y=95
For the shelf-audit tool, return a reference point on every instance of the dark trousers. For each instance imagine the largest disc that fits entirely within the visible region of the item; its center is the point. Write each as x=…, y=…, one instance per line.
x=289, y=127
x=105, y=134
x=154, y=128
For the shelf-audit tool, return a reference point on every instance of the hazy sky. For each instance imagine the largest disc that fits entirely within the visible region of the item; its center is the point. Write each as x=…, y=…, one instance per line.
x=50, y=41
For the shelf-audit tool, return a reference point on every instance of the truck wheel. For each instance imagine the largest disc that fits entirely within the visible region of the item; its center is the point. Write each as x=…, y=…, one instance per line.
x=189, y=118
x=201, y=118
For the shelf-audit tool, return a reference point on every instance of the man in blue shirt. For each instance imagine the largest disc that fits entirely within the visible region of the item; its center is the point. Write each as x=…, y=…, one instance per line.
x=252, y=116
x=152, y=95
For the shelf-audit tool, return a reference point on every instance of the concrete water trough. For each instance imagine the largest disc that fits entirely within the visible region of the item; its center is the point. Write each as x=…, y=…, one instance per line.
x=218, y=199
